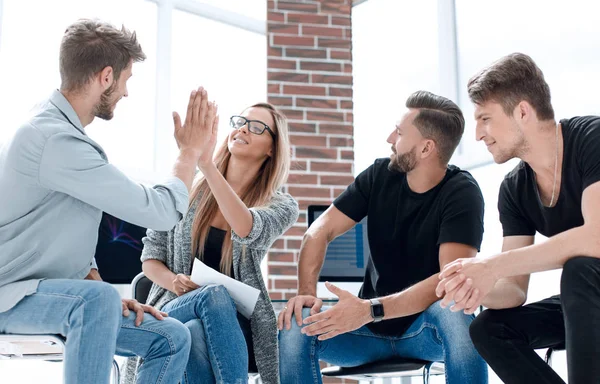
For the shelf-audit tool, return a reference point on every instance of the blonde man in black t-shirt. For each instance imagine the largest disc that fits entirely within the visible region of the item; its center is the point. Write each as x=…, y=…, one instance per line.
x=555, y=190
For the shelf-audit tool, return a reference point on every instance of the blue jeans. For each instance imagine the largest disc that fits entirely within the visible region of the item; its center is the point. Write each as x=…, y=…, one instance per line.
x=89, y=314
x=220, y=352
x=436, y=335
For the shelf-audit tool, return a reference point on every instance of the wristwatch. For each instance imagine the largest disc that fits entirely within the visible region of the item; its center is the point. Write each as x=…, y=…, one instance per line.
x=376, y=310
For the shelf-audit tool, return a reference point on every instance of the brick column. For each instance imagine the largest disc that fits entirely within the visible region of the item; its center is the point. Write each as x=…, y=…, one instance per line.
x=310, y=79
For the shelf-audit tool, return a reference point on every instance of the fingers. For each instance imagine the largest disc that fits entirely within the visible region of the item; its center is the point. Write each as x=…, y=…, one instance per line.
x=280, y=319
x=139, y=313
x=125, y=309
x=316, y=308
x=190, y=108
x=196, y=107
x=453, y=283
x=215, y=129
x=463, y=291
x=449, y=284
x=188, y=284
x=154, y=312
x=176, y=121
x=333, y=289
x=203, y=111
x=450, y=269
x=473, y=303
x=298, y=305
x=320, y=316
x=318, y=328
x=329, y=335
x=288, y=312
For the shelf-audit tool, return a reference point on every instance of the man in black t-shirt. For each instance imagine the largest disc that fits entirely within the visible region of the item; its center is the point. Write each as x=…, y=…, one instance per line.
x=422, y=214
x=555, y=191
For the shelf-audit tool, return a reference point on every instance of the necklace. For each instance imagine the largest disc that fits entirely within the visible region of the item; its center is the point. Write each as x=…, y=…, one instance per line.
x=555, y=169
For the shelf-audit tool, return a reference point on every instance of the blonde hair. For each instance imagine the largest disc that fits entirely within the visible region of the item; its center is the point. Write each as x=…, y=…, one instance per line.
x=271, y=177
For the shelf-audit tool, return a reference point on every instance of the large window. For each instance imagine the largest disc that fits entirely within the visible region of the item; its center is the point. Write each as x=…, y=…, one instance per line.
x=395, y=53
x=558, y=35
x=29, y=70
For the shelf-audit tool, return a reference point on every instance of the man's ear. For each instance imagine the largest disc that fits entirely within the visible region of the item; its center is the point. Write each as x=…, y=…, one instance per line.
x=427, y=149
x=106, y=77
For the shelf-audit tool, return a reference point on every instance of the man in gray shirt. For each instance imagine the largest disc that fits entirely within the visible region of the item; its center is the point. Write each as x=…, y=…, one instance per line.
x=55, y=182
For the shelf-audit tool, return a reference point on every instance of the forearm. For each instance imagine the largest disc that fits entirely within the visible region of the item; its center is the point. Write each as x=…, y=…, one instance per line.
x=185, y=167
x=232, y=207
x=158, y=272
x=413, y=300
x=506, y=294
x=312, y=254
x=551, y=254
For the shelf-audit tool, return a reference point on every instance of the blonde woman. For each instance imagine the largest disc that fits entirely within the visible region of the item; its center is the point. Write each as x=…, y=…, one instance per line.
x=236, y=213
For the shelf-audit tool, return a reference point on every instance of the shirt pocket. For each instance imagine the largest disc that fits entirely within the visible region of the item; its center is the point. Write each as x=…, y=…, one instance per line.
x=14, y=266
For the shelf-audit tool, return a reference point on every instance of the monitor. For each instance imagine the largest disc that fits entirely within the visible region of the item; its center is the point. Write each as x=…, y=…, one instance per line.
x=347, y=256
x=118, y=250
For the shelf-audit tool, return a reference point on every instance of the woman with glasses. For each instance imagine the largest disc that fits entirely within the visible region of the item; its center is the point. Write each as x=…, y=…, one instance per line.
x=236, y=212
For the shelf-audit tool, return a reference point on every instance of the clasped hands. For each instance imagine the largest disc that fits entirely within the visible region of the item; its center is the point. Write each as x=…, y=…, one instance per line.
x=465, y=282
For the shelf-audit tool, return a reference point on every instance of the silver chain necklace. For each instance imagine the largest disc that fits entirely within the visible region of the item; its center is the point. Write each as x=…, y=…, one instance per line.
x=555, y=169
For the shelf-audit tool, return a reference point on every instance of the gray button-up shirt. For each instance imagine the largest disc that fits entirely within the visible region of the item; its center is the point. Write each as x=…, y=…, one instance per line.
x=55, y=182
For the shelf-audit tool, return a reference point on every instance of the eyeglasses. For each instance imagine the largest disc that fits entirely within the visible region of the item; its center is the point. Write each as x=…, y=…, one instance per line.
x=255, y=126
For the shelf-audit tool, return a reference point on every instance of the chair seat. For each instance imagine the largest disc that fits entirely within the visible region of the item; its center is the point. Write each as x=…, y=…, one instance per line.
x=395, y=367
x=42, y=347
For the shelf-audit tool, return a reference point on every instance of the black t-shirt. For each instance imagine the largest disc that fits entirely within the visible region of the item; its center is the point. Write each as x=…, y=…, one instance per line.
x=406, y=228
x=521, y=210
x=212, y=249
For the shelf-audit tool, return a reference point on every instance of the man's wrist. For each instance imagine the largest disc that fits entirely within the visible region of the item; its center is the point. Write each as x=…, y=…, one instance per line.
x=495, y=266
x=188, y=155
x=367, y=310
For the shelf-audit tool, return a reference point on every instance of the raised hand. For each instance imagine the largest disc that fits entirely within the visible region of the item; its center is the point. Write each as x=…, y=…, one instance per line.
x=197, y=134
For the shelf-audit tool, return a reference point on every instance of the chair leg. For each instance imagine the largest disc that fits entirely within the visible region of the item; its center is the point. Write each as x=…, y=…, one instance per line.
x=116, y=373
x=426, y=372
x=549, y=356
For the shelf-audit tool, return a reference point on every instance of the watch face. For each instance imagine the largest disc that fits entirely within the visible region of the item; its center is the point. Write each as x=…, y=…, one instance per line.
x=377, y=310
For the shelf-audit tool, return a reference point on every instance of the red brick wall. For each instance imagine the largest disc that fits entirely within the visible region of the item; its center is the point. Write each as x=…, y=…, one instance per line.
x=310, y=79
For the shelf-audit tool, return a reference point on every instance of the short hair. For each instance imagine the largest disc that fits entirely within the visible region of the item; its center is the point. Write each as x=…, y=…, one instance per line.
x=510, y=80
x=440, y=120
x=88, y=46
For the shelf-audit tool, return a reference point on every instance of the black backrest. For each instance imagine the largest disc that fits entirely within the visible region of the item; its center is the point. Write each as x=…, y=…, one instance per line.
x=118, y=250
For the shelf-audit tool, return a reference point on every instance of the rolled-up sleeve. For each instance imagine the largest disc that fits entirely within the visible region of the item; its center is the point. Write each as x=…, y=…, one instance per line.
x=155, y=246
x=73, y=166
x=270, y=222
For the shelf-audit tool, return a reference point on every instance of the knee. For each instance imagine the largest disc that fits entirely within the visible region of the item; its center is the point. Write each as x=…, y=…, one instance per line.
x=105, y=300
x=198, y=338
x=216, y=298
x=176, y=335
x=578, y=271
x=447, y=321
x=291, y=340
x=486, y=325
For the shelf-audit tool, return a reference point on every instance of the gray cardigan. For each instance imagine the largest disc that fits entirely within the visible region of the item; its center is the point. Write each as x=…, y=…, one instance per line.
x=174, y=249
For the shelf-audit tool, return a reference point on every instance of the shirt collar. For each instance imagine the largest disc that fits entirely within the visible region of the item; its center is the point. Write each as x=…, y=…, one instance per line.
x=61, y=102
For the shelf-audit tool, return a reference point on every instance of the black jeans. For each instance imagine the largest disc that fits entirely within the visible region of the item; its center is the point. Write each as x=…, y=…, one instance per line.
x=506, y=338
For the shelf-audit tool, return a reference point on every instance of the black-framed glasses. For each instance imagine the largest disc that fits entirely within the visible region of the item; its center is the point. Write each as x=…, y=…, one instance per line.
x=255, y=126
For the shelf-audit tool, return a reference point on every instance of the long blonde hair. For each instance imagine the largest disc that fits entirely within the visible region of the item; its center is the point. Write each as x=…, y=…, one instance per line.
x=272, y=175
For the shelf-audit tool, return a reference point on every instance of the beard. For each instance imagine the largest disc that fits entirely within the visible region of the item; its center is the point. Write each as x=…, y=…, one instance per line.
x=104, y=109
x=405, y=162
